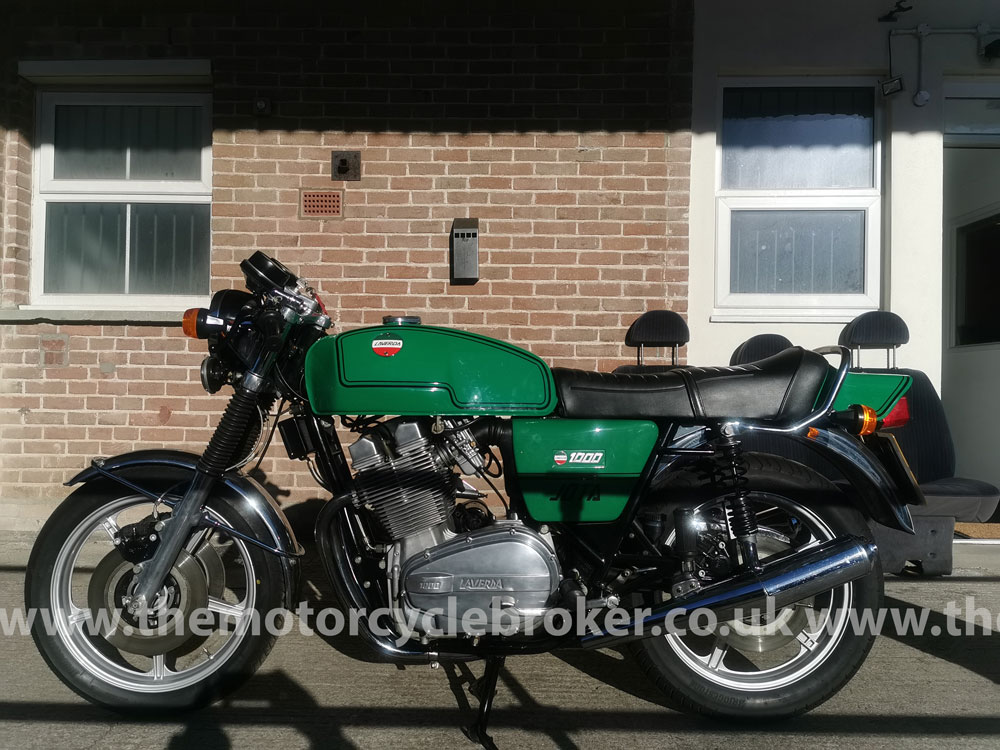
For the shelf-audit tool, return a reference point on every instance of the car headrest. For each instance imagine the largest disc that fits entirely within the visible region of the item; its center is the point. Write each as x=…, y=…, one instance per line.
x=658, y=328
x=758, y=347
x=878, y=329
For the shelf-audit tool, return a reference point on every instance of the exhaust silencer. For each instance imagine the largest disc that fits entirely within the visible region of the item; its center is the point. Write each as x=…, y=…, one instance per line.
x=780, y=582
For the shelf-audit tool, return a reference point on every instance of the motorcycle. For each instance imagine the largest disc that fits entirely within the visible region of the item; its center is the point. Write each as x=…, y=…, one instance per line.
x=618, y=491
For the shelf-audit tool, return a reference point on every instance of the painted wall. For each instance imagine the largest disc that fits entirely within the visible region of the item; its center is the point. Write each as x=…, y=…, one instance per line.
x=786, y=38
x=971, y=185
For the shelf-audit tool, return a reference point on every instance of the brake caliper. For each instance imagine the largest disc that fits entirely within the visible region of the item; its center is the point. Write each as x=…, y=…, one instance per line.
x=137, y=542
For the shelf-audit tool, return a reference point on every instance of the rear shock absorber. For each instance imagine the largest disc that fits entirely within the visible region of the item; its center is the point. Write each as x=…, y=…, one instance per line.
x=740, y=516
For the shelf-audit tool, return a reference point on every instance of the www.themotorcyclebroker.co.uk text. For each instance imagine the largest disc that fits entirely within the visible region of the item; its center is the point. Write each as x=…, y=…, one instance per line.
x=953, y=620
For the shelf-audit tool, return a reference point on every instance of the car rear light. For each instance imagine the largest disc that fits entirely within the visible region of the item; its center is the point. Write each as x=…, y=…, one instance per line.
x=899, y=415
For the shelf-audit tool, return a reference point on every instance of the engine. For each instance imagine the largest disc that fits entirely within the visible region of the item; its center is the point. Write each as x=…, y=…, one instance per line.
x=437, y=575
x=403, y=478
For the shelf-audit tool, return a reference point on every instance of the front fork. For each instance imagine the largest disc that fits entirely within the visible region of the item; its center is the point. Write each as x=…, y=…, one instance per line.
x=187, y=513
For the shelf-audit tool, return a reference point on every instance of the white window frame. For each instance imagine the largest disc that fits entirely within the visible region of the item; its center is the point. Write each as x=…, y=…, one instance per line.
x=740, y=307
x=46, y=188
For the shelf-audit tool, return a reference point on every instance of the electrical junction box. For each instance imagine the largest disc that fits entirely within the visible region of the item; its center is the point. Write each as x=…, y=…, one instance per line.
x=345, y=165
x=464, y=251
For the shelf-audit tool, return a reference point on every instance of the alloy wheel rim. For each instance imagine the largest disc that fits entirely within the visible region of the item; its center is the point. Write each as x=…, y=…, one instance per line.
x=816, y=642
x=72, y=623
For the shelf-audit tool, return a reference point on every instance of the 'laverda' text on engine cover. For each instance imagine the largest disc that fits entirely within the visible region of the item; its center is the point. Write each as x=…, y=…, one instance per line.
x=506, y=565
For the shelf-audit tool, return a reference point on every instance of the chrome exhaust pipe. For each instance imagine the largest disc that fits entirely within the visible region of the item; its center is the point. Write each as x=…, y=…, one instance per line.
x=793, y=577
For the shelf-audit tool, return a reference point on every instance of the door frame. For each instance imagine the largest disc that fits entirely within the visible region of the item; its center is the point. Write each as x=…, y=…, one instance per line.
x=951, y=272
x=963, y=89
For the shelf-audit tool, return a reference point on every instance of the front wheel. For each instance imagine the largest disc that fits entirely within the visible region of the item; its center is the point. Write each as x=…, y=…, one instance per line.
x=206, y=633
x=801, y=655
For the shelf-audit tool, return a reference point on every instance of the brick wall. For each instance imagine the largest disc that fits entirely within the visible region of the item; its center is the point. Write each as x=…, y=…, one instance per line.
x=565, y=132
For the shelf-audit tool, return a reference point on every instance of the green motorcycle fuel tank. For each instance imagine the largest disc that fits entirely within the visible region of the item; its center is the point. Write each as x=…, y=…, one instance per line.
x=416, y=370
x=573, y=470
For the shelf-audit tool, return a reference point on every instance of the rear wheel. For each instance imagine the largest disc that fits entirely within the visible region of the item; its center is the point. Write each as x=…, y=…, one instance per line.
x=798, y=657
x=205, y=634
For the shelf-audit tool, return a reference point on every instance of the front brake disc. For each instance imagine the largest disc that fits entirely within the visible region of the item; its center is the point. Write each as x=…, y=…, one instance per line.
x=166, y=626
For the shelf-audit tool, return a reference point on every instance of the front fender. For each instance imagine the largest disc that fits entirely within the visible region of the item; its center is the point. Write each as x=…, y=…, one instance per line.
x=245, y=494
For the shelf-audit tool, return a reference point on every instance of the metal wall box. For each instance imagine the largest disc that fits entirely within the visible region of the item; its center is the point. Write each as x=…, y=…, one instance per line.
x=463, y=251
x=345, y=165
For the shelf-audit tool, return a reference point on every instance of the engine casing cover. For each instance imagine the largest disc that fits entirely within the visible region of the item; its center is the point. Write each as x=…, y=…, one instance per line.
x=506, y=565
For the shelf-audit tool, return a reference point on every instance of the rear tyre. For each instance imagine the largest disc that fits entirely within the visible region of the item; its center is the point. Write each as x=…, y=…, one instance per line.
x=808, y=651
x=76, y=579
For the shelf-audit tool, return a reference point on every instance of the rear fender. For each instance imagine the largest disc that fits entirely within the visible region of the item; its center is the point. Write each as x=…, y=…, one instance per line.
x=876, y=492
x=873, y=489
x=242, y=493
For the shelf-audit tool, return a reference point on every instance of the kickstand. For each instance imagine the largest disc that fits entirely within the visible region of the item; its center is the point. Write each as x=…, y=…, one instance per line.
x=485, y=689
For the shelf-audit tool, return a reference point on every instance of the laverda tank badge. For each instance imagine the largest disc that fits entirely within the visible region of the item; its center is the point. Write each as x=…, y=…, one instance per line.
x=590, y=459
x=387, y=347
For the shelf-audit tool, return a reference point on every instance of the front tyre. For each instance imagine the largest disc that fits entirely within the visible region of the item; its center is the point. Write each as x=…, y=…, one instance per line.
x=206, y=634
x=798, y=658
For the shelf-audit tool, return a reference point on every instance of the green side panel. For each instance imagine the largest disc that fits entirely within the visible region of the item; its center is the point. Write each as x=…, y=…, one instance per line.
x=414, y=370
x=577, y=499
x=574, y=470
x=625, y=444
x=878, y=390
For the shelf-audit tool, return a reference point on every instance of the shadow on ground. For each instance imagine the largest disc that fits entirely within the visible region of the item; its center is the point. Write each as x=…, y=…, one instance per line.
x=975, y=649
x=274, y=699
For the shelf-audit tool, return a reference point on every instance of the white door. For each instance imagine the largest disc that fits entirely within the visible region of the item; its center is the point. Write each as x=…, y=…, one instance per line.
x=970, y=378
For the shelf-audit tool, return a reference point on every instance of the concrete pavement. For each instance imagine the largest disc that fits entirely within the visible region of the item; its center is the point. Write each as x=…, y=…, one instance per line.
x=913, y=692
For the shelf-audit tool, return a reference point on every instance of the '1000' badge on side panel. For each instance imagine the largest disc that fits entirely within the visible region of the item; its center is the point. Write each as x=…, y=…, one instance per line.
x=590, y=459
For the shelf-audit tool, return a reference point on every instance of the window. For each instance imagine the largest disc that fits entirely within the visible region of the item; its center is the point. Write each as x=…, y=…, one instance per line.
x=972, y=211
x=122, y=204
x=977, y=268
x=798, y=202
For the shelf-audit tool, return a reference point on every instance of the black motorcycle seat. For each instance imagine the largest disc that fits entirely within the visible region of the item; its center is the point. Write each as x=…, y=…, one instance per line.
x=781, y=388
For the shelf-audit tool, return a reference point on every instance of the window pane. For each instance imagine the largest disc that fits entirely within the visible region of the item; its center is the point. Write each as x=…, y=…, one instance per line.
x=978, y=262
x=84, y=248
x=169, y=249
x=972, y=116
x=797, y=138
x=89, y=142
x=797, y=252
x=103, y=142
x=167, y=144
